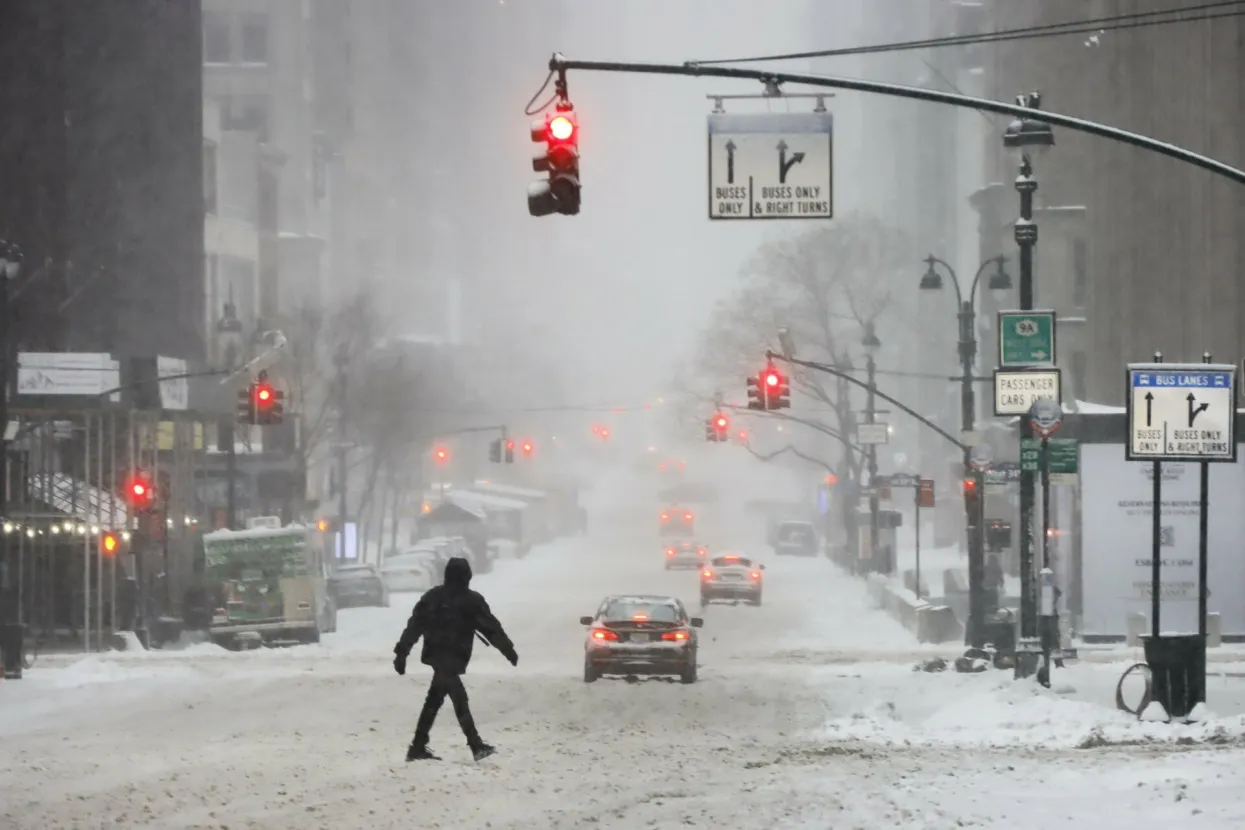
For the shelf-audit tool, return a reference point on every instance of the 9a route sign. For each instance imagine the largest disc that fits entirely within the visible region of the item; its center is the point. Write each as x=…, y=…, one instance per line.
x=1181, y=412
x=1026, y=338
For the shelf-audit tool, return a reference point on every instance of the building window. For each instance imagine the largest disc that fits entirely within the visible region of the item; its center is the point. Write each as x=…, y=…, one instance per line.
x=209, y=177
x=216, y=45
x=247, y=113
x=1080, y=380
x=1080, y=273
x=253, y=32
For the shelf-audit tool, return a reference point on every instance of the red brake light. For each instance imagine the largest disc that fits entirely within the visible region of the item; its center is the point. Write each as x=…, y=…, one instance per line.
x=732, y=558
x=700, y=551
x=669, y=551
x=639, y=617
x=755, y=574
x=603, y=634
x=678, y=635
x=687, y=517
x=706, y=574
x=665, y=517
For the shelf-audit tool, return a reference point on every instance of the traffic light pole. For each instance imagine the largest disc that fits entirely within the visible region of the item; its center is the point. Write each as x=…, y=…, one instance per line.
x=1026, y=239
x=871, y=373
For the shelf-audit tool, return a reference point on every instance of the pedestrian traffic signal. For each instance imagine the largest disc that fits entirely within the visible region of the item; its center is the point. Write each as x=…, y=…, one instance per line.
x=494, y=450
x=139, y=492
x=559, y=193
x=509, y=452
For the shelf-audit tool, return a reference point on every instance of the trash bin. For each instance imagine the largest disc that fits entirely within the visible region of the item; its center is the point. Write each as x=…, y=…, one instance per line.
x=1177, y=672
x=1000, y=632
x=12, y=644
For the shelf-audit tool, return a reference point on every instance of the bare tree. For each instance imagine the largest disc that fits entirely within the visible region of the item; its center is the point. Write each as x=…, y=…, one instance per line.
x=824, y=285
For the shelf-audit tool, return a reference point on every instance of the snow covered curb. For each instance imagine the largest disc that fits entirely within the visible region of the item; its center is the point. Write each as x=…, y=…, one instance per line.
x=1007, y=713
x=928, y=623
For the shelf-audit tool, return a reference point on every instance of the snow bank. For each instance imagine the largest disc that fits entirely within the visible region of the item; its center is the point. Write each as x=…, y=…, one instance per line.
x=977, y=711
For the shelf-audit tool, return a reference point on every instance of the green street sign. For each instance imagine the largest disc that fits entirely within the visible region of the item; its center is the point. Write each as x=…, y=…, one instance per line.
x=1026, y=338
x=1063, y=456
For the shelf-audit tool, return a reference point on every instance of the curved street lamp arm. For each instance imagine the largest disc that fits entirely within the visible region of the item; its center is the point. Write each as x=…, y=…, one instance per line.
x=981, y=269
x=955, y=280
x=821, y=367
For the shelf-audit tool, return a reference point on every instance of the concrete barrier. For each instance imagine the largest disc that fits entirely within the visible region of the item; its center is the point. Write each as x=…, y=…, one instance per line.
x=928, y=622
x=909, y=582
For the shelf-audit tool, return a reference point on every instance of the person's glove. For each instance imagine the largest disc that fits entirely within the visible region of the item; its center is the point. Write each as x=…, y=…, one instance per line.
x=399, y=663
x=513, y=657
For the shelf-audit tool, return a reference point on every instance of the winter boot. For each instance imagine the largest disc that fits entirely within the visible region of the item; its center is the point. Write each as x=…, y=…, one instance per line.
x=417, y=752
x=482, y=750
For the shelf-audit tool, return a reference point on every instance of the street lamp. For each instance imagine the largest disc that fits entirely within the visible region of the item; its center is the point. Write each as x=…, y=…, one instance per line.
x=229, y=339
x=1027, y=138
x=871, y=344
x=11, y=635
x=999, y=280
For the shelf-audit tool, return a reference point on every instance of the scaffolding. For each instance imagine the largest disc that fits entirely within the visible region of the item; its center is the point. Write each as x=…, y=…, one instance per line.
x=67, y=470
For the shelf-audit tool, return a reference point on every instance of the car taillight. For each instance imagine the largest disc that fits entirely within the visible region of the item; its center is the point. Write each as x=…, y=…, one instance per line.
x=700, y=551
x=755, y=574
x=665, y=517
x=603, y=634
x=678, y=636
x=669, y=551
x=706, y=574
x=687, y=517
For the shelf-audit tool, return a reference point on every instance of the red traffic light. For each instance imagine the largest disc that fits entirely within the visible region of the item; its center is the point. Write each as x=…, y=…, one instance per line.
x=721, y=422
x=139, y=492
x=441, y=454
x=263, y=394
x=510, y=446
x=528, y=447
x=772, y=378
x=605, y=433
x=561, y=128
x=970, y=487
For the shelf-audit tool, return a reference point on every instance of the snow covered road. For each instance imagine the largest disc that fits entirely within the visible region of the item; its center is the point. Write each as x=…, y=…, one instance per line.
x=793, y=724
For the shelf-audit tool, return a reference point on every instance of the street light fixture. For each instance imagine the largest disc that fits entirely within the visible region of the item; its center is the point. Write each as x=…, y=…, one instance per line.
x=229, y=342
x=871, y=344
x=1027, y=137
x=967, y=317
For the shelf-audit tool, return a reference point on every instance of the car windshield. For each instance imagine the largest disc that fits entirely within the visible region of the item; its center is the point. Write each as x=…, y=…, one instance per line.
x=732, y=561
x=632, y=609
x=355, y=571
x=795, y=533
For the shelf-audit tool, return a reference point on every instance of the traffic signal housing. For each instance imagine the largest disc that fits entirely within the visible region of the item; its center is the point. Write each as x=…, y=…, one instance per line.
x=247, y=411
x=559, y=192
x=717, y=428
x=509, y=452
x=756, y=399
x=494, y=450
x=140, y=493
x=109, y=544
x=269, y=404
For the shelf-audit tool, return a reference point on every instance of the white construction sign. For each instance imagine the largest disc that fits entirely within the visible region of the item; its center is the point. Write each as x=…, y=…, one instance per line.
x=771, y=166
x=1181, y=412
x=873, y=433
x=1015, y=392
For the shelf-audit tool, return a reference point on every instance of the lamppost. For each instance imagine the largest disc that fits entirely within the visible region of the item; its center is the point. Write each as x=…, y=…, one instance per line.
x=1027, y=138
x=871, y=344
x=230, y=339
x=11, y=636
x=967, y=314
x=341, y=361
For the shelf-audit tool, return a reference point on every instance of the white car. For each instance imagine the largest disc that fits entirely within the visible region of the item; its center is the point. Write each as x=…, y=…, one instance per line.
x=685, y=554
x=732, y=577
x=414, y=570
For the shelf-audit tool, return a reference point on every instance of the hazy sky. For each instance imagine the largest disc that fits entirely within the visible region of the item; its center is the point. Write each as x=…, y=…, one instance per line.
x=623, y=289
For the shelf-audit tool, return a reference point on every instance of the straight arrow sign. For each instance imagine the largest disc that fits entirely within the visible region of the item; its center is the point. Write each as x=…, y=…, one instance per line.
x=730, y=162
x=1149, y=409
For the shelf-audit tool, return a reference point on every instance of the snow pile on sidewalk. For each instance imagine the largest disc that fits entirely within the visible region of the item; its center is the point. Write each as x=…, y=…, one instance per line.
x=1005, y=712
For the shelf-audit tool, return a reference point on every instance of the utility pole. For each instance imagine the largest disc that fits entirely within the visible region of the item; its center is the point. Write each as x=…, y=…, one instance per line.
x=871, y=344
x=11, y=631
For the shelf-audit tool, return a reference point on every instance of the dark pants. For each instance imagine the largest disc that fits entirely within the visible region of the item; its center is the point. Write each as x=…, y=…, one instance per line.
x=446, y=684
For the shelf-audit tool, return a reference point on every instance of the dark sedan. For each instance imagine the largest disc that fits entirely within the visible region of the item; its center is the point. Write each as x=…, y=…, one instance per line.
x=641, y=634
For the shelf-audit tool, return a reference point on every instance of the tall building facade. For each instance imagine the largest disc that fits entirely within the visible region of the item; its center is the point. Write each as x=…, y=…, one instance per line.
x=1137, y=252
x=101, y=174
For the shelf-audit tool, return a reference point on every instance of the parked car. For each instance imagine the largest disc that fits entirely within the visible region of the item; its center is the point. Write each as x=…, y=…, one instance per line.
x=414, y=570
x=355, y=585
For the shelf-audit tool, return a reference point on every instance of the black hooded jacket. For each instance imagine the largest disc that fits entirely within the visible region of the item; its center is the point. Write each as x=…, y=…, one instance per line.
x=447, y=617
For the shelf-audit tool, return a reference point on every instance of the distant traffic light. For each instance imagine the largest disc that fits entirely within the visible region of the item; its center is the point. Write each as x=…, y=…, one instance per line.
x=970, y=488
x=756, y=400
x=140, y=494
x=247, y=413
x=441, y=455
x=494, y=450
x=324, y=525
x=528, y=448
x=509, y=452
x=269, y=403
x=769, y=390
x=716, y=429
x=559, y=193
x=109, y=544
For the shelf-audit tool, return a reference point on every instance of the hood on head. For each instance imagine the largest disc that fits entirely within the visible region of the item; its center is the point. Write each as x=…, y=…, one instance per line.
x=458, y=572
